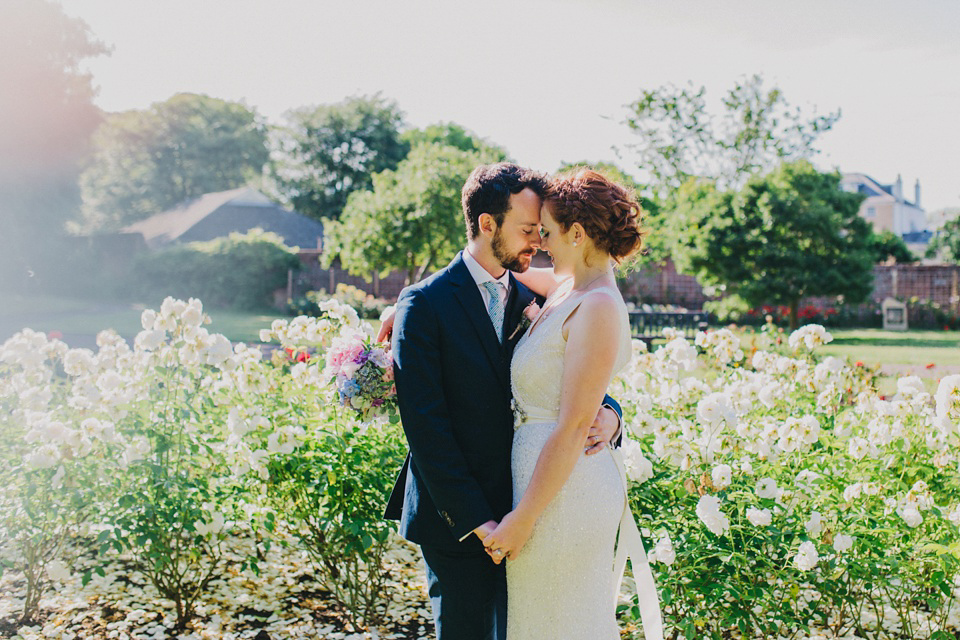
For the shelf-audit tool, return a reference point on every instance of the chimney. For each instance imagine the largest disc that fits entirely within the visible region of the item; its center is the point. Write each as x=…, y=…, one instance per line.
x=898, y=189
x=916, y=193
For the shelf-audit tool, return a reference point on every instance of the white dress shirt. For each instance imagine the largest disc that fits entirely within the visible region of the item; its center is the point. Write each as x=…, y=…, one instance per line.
x=481, y=275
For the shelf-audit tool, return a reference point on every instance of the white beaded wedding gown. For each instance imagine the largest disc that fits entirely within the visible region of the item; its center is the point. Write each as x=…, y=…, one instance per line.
x=563, y=584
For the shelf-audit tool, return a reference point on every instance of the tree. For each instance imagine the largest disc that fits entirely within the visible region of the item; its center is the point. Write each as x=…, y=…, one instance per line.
x=148, y=161
x=887, y=245
x=784, y=236
x=756, y=130
x=46, y=118
x=946, y=242
x=325, y=153
x=454, y=135
x=410, y=221
x=608, y=169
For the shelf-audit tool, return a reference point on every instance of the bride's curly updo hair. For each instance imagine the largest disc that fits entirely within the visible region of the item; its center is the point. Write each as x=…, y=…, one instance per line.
x=608, y=212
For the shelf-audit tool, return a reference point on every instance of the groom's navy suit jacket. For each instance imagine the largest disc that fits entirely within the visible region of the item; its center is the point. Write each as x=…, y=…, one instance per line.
x=453, y=387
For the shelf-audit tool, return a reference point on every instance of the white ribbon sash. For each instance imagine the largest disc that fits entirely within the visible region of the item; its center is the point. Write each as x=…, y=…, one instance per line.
x=630, y=544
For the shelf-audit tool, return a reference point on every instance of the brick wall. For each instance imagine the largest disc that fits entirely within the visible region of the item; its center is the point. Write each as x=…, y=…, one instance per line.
x=313, y=277
x=664, y=286
x=939, y=283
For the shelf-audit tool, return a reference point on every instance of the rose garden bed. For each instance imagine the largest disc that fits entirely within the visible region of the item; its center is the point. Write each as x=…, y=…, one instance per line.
x=187, y=486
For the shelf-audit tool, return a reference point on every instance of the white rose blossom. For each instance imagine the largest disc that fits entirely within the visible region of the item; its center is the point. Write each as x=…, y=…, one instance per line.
x=807, y=556
x=721, y=476
x=767, y=488
x=638, y=467
x=842, y=542
x=708, y=510
x=663, y=551
x=814, y=525
x=759, y=517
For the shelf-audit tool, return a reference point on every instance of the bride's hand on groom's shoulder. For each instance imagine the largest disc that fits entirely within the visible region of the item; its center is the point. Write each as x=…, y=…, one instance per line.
x=386, y=323
x=509, y=537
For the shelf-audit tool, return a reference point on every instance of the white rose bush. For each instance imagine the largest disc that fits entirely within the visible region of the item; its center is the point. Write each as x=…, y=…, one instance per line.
x=164, y=449
x=779, y=494
x=796, y=500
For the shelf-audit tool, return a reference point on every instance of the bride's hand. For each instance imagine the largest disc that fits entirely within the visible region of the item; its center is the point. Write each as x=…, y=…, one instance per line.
x=509, y=537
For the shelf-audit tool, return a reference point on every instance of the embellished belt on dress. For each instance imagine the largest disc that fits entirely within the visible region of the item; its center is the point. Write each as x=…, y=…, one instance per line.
x=531, y=415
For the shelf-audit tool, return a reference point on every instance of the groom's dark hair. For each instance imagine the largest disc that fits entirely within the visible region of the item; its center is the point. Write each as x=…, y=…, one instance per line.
x=488, y=190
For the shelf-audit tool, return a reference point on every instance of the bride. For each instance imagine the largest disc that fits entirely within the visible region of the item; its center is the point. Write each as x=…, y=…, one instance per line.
x=560, y=540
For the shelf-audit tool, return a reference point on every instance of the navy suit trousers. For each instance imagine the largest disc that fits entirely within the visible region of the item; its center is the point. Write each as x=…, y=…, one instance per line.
x=473, y=591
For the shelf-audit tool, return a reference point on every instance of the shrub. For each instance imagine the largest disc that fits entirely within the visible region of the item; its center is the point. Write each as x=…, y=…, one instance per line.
x=240, y=271
x=333, y=487
x=783, y=493
x=366, y=306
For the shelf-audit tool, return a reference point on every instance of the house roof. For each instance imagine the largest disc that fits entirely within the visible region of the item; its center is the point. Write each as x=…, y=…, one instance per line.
x=214, y=215
x=872, y=188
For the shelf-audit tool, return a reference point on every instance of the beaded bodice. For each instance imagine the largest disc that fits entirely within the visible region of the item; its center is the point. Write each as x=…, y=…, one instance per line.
x=536, y=372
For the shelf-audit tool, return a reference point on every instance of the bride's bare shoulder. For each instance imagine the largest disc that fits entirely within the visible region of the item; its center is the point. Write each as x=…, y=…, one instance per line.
x=595, y=312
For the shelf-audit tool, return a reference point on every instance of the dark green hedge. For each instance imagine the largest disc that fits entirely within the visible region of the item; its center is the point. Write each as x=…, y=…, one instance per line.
x=240, y=271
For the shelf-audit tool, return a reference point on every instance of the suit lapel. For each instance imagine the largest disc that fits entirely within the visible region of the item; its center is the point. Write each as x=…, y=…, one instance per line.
x=519, y=298
x=468, y=295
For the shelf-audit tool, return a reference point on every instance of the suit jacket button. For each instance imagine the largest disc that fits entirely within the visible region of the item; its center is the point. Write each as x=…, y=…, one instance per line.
x=446, y=516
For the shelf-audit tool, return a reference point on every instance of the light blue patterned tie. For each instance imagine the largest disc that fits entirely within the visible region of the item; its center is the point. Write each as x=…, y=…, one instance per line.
x=495, y=306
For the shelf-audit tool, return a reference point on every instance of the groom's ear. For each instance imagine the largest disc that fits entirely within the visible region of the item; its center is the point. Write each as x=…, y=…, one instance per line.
x=487, y=225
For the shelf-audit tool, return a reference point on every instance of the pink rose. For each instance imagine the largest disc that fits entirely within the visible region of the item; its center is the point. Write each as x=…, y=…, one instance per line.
x=531, y=311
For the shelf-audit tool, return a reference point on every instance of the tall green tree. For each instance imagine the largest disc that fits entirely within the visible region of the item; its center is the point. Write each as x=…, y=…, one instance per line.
x=47, y=115
x=946, y=242
x=787, y=235
x=457, y=136
x=677, y=137
x=411, y=220
x=146, y=161
x=887, y=245
x=325, y=153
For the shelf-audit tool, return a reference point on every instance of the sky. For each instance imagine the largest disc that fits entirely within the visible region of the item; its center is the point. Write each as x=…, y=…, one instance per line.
x=549, y=80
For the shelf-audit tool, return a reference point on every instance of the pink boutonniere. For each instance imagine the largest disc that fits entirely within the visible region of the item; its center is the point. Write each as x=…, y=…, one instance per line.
x=529, y=313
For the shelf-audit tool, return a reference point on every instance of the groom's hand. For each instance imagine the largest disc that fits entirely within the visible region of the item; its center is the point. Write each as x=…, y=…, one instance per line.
x=485, y=529
x=604, y=430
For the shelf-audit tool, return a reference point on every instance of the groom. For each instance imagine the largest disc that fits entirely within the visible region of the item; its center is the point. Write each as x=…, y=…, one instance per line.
x=453, y=339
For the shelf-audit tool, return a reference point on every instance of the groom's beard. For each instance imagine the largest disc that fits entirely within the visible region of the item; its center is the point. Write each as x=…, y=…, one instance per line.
x=516, y=262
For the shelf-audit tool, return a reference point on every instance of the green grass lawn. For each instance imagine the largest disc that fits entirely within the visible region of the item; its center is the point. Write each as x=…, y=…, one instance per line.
x=876, y=346
x=78, y=317
x=73, y=317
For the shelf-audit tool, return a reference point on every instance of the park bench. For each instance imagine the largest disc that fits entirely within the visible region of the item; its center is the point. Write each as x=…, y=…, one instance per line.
x=649, y=325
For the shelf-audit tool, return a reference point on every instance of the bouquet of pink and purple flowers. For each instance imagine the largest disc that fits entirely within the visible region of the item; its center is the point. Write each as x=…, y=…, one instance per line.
x=362, y=371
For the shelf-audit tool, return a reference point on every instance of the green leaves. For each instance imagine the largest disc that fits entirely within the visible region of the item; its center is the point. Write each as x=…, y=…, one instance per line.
x=946, y=241
x=239, y=271
x=147, y=161
x=411, y=221
x=785, y=236
x=677, y=138
x=325, y=153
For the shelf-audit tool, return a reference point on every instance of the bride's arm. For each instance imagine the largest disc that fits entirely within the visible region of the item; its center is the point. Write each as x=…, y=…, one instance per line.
x=594, y=336
x=540, y=280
